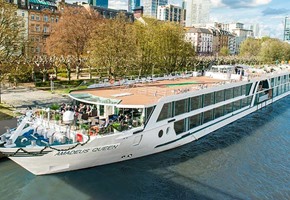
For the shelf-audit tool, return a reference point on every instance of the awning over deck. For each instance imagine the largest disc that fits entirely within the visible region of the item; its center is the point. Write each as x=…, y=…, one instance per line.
x=91, y=99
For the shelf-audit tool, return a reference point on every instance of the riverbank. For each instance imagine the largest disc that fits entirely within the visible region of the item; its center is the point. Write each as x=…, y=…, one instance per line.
x=6, y=112
x=22, y=97
x=15, y=100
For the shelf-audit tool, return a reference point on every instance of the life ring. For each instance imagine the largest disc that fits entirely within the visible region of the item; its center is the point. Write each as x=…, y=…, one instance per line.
x=94, y=131
x=79, y=137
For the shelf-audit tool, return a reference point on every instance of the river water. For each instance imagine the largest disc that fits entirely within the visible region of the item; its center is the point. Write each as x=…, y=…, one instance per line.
x=248, y=159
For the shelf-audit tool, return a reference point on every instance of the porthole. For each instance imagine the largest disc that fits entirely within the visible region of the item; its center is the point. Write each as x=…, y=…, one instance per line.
x=167, y=130
x=160, y=134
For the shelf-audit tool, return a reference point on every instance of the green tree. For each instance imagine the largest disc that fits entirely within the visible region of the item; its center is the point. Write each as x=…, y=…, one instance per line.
x=224, y=51
x=146, y=52
x=161, y=47
x=173, y=49
x=250, y=47
x=11, y=34
x=271, y=51
x=113, y=46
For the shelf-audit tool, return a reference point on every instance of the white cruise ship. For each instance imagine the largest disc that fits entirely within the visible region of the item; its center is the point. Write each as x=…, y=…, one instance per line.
x=120, y=120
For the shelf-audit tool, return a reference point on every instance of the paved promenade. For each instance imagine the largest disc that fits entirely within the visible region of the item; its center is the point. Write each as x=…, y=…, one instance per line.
x=22, y=97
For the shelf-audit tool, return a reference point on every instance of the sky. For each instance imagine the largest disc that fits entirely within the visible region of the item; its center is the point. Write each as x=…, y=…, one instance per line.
x=269, y=14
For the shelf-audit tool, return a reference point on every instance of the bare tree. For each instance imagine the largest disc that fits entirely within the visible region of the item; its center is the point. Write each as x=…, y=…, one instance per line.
x=71, y=34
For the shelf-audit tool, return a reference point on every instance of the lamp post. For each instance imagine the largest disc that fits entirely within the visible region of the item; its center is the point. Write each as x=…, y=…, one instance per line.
x=51, y=83
x=0, y=91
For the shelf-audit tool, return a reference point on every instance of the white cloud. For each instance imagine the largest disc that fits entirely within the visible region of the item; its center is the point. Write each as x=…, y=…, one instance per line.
x=118, y=4
x=260, y=2
x=217, y=3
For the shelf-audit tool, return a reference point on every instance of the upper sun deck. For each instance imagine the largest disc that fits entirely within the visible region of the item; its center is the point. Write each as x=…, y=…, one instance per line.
x=144, y=94
x=147, y=92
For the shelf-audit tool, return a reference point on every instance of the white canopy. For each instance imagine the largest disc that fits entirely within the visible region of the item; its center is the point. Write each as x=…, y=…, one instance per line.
x=223, y=67
x=243, y=66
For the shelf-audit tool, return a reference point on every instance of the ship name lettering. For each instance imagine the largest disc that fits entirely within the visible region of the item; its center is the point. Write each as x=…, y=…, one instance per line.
x=72, y=152
x=106, y=148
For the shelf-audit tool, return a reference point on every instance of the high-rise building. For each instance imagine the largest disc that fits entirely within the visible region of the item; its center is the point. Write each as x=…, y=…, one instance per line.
x=150, y=7
x=239, y=31
x=100, y=3
x=170, y=13
x=197, y=12
x=132, y=4
x=256, y=30
x=287, y=29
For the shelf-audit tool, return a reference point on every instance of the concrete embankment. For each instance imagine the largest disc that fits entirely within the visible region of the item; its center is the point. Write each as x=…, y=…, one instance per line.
x=11, y=123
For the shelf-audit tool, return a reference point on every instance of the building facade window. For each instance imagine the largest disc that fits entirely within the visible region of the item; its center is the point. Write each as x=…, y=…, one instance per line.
x=37, y=50
x=45, y=29
x=45, y=18
x=32, y=17
x=37, y=28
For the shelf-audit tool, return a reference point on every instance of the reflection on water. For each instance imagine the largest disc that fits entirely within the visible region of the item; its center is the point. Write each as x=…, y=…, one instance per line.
x=248, y=159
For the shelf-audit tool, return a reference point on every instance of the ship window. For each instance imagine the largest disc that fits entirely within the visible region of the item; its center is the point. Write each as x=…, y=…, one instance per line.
x=160, y=134
x=166, y=112
x=102, y=110
x=244, y=89
x=218, y=112
x=219, y=96
x=228, y=93
x=248, y=88
x=195, y=103
x=228, y=108
x=274, y=92
x=148, y=113
x=179, y=126
x=237, y=91
x=194, y=121
x=207, y=116
x=245, y=102
x=272, y=82
x=236, y=105
x=250, y=100
x=180, y=106
x=208, y=99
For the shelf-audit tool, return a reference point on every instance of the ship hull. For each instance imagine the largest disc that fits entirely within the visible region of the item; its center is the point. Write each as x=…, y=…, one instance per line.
x=121, y=147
